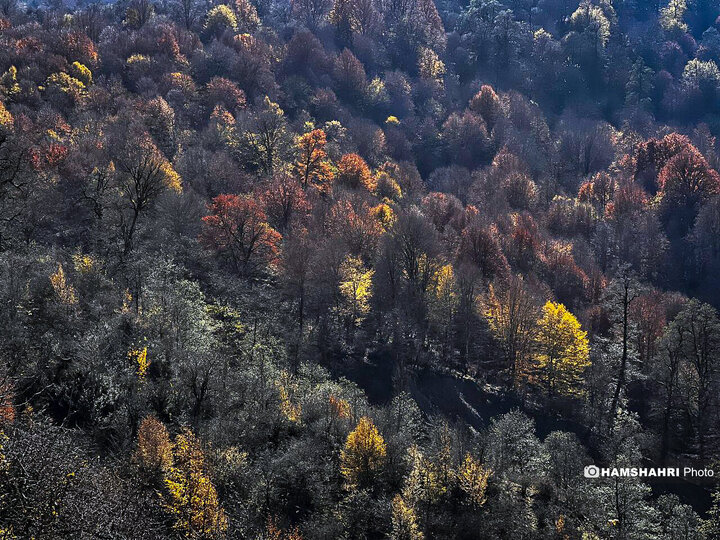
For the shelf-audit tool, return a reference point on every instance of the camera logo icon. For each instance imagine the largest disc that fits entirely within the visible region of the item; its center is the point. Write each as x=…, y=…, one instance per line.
x=591, y=471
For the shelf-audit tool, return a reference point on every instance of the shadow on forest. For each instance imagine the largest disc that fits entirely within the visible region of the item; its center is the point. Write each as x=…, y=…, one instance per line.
x=465, y=401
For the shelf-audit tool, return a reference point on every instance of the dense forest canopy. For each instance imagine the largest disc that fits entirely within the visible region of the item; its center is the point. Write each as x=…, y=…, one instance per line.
x=358, y=269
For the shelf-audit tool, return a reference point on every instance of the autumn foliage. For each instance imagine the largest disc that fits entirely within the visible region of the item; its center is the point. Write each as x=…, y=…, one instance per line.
x=237, y=229
x=364, y=454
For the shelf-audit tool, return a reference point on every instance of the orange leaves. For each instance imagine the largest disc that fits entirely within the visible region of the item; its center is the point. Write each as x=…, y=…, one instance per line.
x=354, y=173
x=78, y=46
x=237, y=228
x=312, y=165
x=64, y=291
x=154, y=450
x=340, y=407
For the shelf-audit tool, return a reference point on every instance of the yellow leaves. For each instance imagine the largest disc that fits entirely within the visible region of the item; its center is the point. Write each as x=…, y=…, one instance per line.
x=9, y=83
x=139, y=359
x=445, y=290
x=404, y=521
x=392, y=121
x=83, y=264
x=6, y=119
x=220, y=17
x=384, y=214
x=672, y=15
x=429, y=65
x=64, y=291
x=364, y=455
x=127, y=301
x=340, y=407
x=387, y=187
x=286, y=387
x=154, y=450
x=562, y=350
x=82, y=73
x=427, y=480
x=137, y=59
x=473, y=480
x=66, y=84
x=355, y=289
x=510, y=312
x=192, y=498
x=171, y=178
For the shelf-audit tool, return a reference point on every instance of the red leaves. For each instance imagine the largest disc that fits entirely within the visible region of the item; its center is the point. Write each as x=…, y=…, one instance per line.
x=688, y=174
x=237, y=228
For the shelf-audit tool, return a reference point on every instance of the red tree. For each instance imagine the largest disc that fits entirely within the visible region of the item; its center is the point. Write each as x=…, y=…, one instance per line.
x=237, y=228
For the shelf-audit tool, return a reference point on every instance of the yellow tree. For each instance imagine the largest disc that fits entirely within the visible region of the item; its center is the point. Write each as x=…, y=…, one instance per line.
x=355, y=289
x=312, y=164
x=473, y=480
x=561, y=351
x=364, y=455
x=404, y=521
x=192, y=498
x=65, y=292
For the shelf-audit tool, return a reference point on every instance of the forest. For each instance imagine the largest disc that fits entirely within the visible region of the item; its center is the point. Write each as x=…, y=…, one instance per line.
x=359, y=269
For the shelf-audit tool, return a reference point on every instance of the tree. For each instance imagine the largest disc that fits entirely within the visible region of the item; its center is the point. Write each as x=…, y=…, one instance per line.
x=285, y=201
x=561, y=351
x=144, y=174
x=686, y=181
x=247, y=16
x=187, y=11
x=466, y=139
x=364, y=455
x=696, y=331
x=443, y=305
x=349, y=75
x=312, y=13
x=356, y=290
x=312, y=165
x=404, y=521
x=237, y=228
x=192, y=499
x=219, y=19
x=487, y=104
x=621, y=293
x=266, y=135
x=154, y=449
x=511, y=311
x=671, y=17
x=473, y=480
x=353, y=172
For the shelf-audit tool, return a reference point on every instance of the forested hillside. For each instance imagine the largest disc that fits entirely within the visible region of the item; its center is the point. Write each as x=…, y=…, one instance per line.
x=250, y=253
